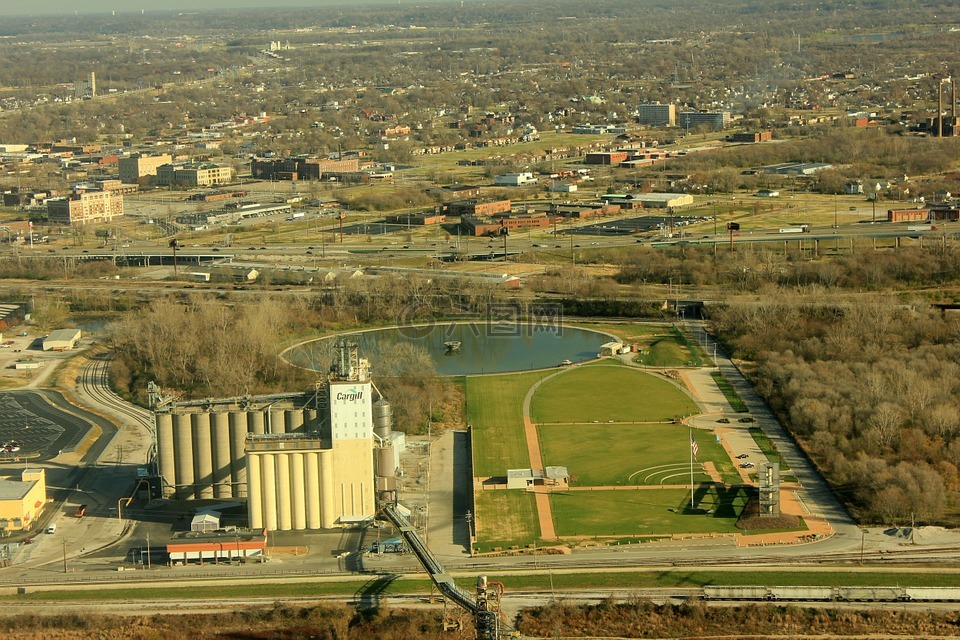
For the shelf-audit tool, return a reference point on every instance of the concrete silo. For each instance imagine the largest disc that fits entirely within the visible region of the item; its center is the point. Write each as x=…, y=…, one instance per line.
x=165, y=452
x=222, y=462
x=202, y=455
x=183, y=455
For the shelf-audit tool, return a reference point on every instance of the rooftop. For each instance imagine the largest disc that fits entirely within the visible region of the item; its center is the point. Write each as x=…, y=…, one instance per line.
x=14, y=489
x=63, y=334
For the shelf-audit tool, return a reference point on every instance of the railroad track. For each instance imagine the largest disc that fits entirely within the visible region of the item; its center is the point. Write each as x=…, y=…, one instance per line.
x=927, y=556
x=94, y=380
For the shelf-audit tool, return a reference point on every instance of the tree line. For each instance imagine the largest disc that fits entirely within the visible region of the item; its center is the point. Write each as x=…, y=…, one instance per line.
x=202, y=347
x=870, y=388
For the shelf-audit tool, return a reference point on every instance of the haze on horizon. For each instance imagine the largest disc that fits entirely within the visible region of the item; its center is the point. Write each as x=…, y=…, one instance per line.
x=124, y=7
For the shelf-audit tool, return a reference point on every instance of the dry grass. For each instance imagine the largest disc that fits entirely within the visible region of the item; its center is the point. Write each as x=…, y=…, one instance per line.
x=324, y=622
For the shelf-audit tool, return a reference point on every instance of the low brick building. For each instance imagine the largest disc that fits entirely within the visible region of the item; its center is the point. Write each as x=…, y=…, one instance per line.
x=476, y=207
x=908, y=215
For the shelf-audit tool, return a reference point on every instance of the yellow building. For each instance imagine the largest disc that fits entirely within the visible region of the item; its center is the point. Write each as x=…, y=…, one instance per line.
x=137, y=169
x=194, y=174
x=22, y=501
x=299, y=482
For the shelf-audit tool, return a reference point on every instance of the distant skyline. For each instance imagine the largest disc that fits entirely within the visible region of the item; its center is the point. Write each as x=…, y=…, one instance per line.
x=86, y=7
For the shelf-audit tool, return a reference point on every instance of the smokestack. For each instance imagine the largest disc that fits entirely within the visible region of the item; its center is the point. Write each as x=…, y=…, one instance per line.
x=940, y=110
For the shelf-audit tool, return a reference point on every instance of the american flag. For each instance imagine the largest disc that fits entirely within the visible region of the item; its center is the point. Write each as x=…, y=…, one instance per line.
x=693, y=445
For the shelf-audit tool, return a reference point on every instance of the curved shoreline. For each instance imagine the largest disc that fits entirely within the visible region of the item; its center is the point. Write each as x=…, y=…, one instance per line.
x=432, y=326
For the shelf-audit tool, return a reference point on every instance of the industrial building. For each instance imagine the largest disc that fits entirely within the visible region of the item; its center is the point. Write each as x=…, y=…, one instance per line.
x=418, y=219
x=216, y=546
x=908, y=215
x=21, y=501
x=302, y=461
x=61, y=340
x=606, y=157
x=85, y=207
x=751, y=137
x=796, y=168
x=302, y=168
x=648, y=200
x=504, y=224
x=515, y=179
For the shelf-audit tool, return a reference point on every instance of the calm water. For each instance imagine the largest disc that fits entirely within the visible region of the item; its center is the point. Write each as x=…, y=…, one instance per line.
x=485, y=348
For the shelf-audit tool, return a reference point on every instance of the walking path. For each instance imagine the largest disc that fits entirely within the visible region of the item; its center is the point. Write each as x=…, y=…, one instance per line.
x=541, y=494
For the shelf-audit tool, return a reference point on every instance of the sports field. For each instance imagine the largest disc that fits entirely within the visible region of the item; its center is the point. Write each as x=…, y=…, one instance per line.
x=632, y=454
x=646, y=511
x=600, y=393
x=495, y=409
x=505, y=519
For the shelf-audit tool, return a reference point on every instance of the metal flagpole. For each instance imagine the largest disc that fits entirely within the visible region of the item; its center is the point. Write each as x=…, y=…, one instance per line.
x=691, y=471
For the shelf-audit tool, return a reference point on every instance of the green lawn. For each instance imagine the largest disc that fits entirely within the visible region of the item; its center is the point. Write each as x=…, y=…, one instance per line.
x=662, y=344
x=646, y=454
x=505, y=519
x=495, y=409
x=602, y=393
x=733, y=398
x=669, y=348
x=771, y=453
x=645, y=512
x=559, y=579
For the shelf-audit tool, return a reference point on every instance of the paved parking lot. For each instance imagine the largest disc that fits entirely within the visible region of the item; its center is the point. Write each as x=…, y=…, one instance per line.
x=42, y=429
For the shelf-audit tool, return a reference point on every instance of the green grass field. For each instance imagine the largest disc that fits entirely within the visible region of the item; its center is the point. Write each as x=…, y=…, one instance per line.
x=645, y=512
x=662, y=344
x=647, y=454
x=602, y=393
x=495, y=409
x=505, y=519
x=559, y=579
x=733, y=398
x=668, y=350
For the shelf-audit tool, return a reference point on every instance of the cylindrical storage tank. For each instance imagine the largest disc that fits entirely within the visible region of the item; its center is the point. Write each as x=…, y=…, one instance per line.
x=278, y=423
x=202, y=455
x=310, y=420
x=268, y=474
x=238, y=436
x=312, y=473
x=298, y=486
x=166, y=452
x=284, y=488
x=222, y=468
x=294, y=418
x=255, y=422
x=328, y=504
x=386, y=462
x=255, y=503
x=183, y=460
x=382, y=418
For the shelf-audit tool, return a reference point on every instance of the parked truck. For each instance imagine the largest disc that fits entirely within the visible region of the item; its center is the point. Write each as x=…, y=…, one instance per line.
x=798, y=229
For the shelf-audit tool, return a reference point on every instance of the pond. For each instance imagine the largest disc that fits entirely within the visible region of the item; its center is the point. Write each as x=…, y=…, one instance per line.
x=484, y=347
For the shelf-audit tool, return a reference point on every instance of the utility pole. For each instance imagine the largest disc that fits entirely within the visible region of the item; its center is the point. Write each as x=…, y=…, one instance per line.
x=149, y=563
x=64, y=556
x=173, y=245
